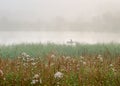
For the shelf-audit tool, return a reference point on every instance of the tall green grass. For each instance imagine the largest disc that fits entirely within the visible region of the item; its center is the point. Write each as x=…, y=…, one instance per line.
x=106, y=50
x=90, y=69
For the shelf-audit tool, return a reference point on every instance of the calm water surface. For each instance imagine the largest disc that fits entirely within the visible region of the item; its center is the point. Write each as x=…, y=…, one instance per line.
x=9, y=37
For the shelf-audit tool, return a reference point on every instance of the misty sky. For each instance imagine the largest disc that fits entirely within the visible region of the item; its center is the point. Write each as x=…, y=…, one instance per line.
x=84, y=13
x=88, y=21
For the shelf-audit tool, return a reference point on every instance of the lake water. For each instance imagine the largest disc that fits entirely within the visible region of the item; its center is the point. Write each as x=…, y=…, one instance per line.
x=9, y=37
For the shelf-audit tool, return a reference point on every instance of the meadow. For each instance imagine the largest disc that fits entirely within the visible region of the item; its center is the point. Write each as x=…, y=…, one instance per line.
x=60, y=65
x=110, y=50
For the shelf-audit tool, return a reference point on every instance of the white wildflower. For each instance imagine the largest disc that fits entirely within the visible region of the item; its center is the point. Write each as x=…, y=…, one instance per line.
x=25, y=64
x=58, y=75
x=32, y=59
x=113, y=70
x=100, y=58
x=34, y=81
x=81, y=57
x=23, y=59
x=52, y=56
x=51, y=64
x=27, y=59
x=1, y=72
x=58, y=83
x=68, y=57
x=4, y=79
x=25, y=55
x=94, y=62
x=111, y=65
x=33, y=63
x=36, y=76
x=78, y=66
x=63, y=57
x=84, y=63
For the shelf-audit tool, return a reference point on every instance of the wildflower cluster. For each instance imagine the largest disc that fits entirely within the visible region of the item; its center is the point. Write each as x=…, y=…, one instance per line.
x=36, y=79
x=58, y=75
x=55, y=70
x=100, y=58
x=82, y=60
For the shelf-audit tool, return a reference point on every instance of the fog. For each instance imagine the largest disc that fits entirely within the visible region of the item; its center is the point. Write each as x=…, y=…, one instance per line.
x=16, y=37
x=88, y=21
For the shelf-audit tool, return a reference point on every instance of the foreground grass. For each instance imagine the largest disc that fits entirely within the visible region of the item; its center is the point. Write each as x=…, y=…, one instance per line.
x=54, y=70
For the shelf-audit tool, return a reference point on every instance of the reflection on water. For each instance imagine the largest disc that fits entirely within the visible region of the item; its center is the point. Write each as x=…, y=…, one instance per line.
x=8, y=37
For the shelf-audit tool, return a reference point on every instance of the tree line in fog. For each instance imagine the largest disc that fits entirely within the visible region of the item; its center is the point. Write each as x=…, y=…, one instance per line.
x=106, y=22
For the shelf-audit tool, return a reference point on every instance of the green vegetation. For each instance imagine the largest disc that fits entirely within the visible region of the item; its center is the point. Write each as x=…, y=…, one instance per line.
x=110, y=50
x=60, y=65
x=59, y=71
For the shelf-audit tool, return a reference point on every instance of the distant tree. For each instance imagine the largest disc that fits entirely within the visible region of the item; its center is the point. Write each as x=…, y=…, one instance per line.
x=4, y=20
x=111, y=21
x=59, y=22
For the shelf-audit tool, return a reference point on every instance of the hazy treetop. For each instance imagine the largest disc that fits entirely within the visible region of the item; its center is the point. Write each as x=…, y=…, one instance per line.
x=47, y=10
